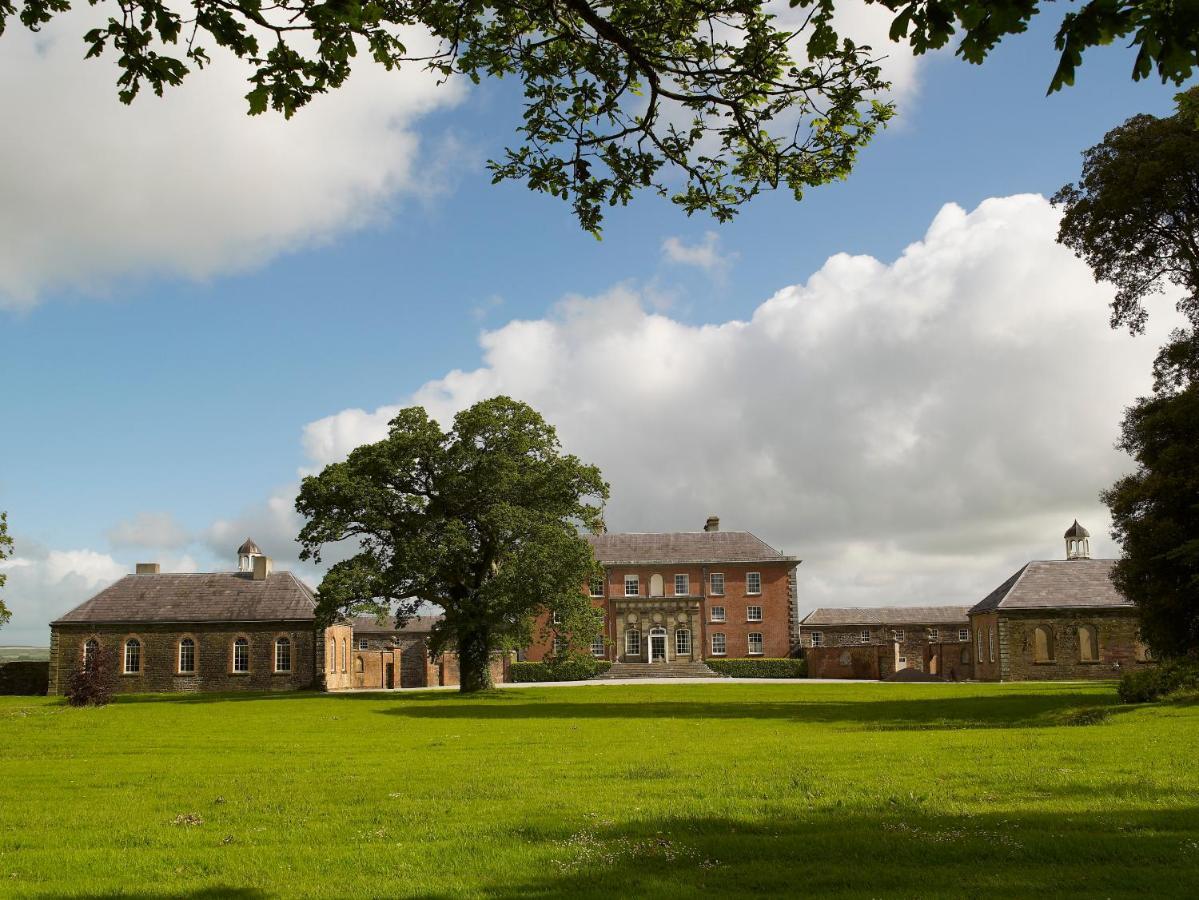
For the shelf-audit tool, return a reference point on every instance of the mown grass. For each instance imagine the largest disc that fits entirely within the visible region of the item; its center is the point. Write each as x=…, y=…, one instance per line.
x=605, y=791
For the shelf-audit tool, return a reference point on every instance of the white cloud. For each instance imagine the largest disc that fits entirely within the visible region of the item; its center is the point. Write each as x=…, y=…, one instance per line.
x=150, y=530
x=913, y=430
x=704, y=254
x=188, y=184
x=43, y=584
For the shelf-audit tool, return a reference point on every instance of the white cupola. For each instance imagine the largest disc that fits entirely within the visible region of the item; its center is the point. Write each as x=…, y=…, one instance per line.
x=1078, y=542
x=245, y=555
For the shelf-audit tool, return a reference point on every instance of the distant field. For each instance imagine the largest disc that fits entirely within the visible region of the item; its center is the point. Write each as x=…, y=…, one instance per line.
x=862, y=790
x=12, y=654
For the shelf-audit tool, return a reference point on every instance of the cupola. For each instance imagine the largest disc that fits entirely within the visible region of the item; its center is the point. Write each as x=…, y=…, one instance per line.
x=1078, y=542
x=245, y=555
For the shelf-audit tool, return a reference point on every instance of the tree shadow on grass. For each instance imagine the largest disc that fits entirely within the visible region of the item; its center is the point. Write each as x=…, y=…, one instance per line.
x=939, y=712
x=895, y=851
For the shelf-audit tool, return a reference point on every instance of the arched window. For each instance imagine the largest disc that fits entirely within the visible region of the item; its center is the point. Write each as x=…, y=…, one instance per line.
x=345, y=652
x=682, y=642
x=90, y=652
x=283, y=655
x=187, y=656
x=655, y=585
x=332, y=655
x=241, y=655
x=980, y=645
x=359, y=665
x=991, y=642
x=1043, y=644
x=1088, y=644
x=632, y=642
x=133, y=656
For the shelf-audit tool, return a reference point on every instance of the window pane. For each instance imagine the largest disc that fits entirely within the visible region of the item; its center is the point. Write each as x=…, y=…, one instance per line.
x=682, y=585
x=718, y=643
x=597, y=587
x=133, y=656
x=632, y=642
x=753, y=583
x=682, y=642
x=717, y=613
x=283, y=655
x=632, y=586
x=755, y=642
x=753, y=613
x=241, y=655
x=718, y=583
x=187, y=655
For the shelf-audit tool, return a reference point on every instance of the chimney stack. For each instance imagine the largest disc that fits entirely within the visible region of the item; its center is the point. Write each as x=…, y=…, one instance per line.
x=262, y=568
x=713, y=524
x=147, y=568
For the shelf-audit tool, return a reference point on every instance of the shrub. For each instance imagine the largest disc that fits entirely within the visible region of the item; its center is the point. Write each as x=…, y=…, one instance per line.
x=91, y=683
x=571, y=668
x=25, y=676
x=1147, y=685
x=759, y=668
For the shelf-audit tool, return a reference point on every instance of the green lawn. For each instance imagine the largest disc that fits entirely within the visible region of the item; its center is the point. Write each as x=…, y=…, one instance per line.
x=605, y=791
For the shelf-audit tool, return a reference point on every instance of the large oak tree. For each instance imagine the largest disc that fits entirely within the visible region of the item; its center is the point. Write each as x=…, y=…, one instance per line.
x=1134, y=217
x=484, y=521
x=705, y=101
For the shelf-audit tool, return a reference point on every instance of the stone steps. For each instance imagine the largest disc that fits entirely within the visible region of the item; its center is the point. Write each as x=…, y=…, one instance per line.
x=672, y=669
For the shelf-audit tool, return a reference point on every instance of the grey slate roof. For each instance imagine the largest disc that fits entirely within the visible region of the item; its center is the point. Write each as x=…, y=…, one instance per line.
x=684, y=547
x=1057, y=584
x=415, y=625
x=887, y=615
x=209, y=597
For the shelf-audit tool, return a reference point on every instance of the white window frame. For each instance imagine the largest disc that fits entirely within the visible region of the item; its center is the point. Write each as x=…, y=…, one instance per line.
x=363, y=644
x=597, y=646
x=591, y=586
x=712, y=581
x=633, y=581
x=991, y=643
x=749, y=613
x=345, y=654
x=964, y=635
x=280, y=644
x=934, y=635
x=750, y=644
x=897, y=634
x=815, y=638
x=241, y=666
x=136, y=646
x=556, y=617
x=190, y=670
x=752, y=578
x=902, y=663
x=864, y=636
x=719, y=644
x=682, y=642
x=685, y=581
x=560, y=645
x=718, y=614
x=632, y=642
x=91, y=648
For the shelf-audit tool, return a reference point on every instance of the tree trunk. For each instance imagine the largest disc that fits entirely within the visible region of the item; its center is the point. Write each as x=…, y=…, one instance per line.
x=474, y=660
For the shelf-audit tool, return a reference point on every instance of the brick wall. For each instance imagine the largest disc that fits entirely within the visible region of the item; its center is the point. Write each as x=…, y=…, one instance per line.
x=985, y=628
x=159, y=670
x=842, y=652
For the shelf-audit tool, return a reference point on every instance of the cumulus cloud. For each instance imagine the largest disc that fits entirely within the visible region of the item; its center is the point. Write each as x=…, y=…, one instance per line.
x=914, y=430
x=150, y=530
x=189, y=184
x=43, y=584
x=703, y=254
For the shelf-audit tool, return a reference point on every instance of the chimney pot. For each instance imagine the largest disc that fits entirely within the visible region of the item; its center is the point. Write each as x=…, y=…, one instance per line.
x=713, y=524
x=147, y=568
x=262, y=568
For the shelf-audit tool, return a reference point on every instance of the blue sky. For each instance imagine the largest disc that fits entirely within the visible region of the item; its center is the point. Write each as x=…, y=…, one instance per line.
x=147, y=392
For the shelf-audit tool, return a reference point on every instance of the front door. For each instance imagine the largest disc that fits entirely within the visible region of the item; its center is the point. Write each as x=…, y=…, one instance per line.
x=657, y=647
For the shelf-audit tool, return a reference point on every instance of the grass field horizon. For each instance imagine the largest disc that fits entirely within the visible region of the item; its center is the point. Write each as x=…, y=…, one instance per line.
x=653, y=790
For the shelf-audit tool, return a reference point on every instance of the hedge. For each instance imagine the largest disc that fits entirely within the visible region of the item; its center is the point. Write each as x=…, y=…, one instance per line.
x=571, y=669
x=1154, y=683
x=759, y=668
x=25, y=677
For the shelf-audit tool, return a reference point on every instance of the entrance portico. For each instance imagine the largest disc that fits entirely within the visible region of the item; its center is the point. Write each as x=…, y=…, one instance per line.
x=657, y=629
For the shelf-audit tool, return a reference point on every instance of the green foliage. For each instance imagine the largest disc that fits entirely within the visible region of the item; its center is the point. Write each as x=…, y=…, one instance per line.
x=5, y=552
x=482, y=520
x=1165, y=32
x=759, y=668
x=1157, y=682
x=1133, y=214
x=572, y=668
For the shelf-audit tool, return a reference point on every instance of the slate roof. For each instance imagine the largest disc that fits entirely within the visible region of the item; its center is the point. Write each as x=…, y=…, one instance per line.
x=1057, y=584
x=684, y=547
x=208, y=597
x=887, y=615
x=415, y=625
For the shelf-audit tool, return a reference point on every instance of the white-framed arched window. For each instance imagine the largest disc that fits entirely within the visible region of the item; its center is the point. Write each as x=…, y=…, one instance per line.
x=332, y=655
x=345, y=652
x=133, y=656
x=91, y=650
x=241, y=655
x=632, y=642
x=187, y=656
x=283, y=654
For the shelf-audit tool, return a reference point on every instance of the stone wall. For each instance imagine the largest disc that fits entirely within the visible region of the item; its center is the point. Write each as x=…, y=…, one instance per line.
x=873, y=651
x=334, y=657
x=988, y=646
x=159, y=670
x=1118, y=638
x=387, y=663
